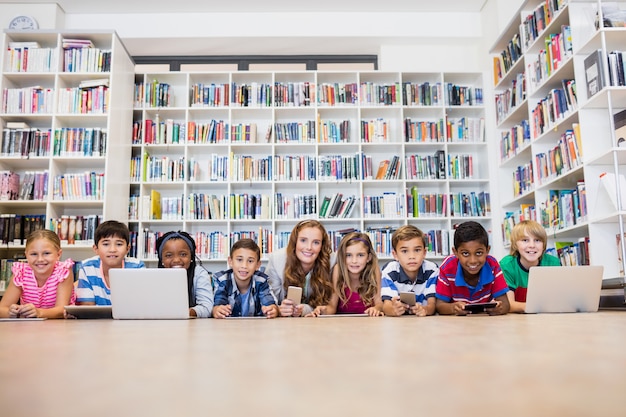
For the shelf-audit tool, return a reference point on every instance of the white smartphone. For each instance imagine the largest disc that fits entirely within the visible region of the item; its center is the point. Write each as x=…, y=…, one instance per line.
x=294, y=294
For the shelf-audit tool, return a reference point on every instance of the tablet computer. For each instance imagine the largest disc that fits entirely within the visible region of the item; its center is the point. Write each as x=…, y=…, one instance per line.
x=479, y=307
x=90, y=312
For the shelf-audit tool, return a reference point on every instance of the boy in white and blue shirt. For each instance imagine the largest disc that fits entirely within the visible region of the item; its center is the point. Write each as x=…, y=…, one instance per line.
x=111, y=246
x=409, y=272
x=243, y=290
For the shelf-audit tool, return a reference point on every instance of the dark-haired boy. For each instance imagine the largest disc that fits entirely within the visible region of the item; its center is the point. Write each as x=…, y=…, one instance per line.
x=470, y=275
x=243, y=290
x=111, y=244
x=409, y=272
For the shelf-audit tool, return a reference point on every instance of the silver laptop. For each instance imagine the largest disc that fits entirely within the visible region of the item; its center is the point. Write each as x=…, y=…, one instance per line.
x=564, y=289
x=149, y=293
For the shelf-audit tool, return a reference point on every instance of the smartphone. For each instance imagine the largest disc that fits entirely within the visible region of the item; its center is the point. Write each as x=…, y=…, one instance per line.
x=294, y=294
x=479, y=307
x=408, y=298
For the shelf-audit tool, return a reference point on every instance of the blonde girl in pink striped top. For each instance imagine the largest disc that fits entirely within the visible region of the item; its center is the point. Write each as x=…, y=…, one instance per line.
x=43, y=285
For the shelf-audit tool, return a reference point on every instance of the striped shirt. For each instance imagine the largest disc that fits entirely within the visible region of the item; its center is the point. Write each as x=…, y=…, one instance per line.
x=46, y=295
x=91, y=285
x=451, y=285
x=395, y=280
x=259, y=293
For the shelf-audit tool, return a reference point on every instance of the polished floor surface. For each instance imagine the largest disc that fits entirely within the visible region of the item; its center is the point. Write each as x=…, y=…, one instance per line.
x=516, y=365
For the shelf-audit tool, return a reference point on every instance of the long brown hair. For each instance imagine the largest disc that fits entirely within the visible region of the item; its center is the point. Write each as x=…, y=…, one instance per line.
x=368, y=285
x=321, y=287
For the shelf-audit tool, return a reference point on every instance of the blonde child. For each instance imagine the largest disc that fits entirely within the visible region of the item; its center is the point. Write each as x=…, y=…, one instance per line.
x=528, y=249
x=43, y=285
x=356, y=279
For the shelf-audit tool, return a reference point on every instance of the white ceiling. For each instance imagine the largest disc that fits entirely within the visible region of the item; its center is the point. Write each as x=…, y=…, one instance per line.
x=186, y=6
x=144, y=45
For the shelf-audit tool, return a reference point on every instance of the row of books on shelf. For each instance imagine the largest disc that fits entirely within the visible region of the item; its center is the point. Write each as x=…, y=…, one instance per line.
x=301, y=167
x=14, y=228
x=86, y=59
x=78, y=186
x=514, y=139
x=75, y=229
x=509, y=99
x=559, y=160
x=71, y=229
x=419, y=167
x=41, y=100
x=553, y=108
x=597, y=63
x=29, y=57
x=79, y=55
x=217, y=244
x=169, y=131
x=536, y=22
x=28, y=100
x=83, y=100
x=523, y=179
x=564, y=208
x=282, y=94
x=31, y=185
x=504, y=61
x=201, y=206
x=463, y=129
x=571, y=253
x=557, y=50
x=25, y=141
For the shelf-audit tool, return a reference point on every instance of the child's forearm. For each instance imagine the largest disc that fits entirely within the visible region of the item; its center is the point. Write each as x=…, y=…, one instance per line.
x=444, y=307
x=51, y=313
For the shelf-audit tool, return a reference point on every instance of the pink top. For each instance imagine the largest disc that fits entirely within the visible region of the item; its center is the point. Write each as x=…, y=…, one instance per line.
x=353, y=305
x=46, y=295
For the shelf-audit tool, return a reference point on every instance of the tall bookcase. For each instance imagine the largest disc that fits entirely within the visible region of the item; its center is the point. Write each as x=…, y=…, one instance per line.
x=65, y=111
x=543, y=58
x=292, y=139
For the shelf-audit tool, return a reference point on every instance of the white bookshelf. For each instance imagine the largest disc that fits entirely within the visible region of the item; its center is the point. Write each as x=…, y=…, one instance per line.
x=51, y=73
x=314, y=150
x=594, y=117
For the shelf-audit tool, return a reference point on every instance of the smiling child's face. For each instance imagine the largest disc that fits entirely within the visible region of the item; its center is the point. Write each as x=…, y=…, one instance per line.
x=472, y=256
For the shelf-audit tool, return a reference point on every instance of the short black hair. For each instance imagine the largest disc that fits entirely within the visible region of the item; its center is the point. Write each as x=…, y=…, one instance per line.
x=470, y=231
x=111, y=228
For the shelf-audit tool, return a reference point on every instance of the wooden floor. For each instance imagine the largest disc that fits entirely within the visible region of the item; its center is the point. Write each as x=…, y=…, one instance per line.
x=516, y=365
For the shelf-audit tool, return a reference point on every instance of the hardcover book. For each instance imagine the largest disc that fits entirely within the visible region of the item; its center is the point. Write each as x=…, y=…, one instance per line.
x=594, y=72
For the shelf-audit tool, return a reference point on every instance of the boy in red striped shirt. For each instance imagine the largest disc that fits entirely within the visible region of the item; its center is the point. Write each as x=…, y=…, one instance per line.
x=470, y=275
